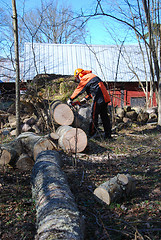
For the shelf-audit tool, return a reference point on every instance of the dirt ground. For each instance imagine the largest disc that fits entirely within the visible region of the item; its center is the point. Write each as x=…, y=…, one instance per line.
x=135, y=150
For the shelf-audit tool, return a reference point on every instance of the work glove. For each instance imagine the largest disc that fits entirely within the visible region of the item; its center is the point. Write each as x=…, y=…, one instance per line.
x=83, y=101
x=69, y=102
x=76, y=103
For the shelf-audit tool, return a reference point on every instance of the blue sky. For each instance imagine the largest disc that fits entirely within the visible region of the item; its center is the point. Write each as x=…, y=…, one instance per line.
x=96, y=26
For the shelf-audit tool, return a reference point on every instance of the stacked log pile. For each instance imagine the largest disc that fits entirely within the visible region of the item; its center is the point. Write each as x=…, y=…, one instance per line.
x=57, y=213
x=23, y=150
x=123, y=117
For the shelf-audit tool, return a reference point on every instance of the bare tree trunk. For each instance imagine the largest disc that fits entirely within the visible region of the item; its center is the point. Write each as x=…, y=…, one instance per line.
x=159, y=88
x=57, y=213
x=15, y=29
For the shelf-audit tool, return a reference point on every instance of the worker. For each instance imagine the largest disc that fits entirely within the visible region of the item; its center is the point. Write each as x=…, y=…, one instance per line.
x=96, y=89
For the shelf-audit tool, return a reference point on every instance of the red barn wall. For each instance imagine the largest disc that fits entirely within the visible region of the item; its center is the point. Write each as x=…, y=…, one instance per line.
x=128, y=94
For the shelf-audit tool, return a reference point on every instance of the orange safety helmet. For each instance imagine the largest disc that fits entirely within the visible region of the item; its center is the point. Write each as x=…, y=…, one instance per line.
x=77, y=72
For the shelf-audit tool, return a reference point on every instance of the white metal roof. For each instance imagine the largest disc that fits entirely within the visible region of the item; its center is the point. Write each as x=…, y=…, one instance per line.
x=65, y=58
x=101, y=59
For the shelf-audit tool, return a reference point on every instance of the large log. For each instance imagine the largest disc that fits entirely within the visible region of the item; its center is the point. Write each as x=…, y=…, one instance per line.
x=57, y=213
x=82, y=117
x=115, y=189
x=34, y=144
x=72, y=139
x=27, y=142
x=61, y=113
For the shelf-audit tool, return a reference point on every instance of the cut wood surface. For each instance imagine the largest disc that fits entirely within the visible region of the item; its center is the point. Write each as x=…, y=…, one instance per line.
x=57, y=213
x=116, y=188
x=61, y=113
x=26, y=142
x=9, y=152
x=52, y=135
x=12, y=121
x=72, y=139
x=34, y=144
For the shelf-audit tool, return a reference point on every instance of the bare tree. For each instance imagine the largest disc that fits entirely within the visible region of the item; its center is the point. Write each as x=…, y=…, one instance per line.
x=142, y=17
x=15, y=28
x=52, y=23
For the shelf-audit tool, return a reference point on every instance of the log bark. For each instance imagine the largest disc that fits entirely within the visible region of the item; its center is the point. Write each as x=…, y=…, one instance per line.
x=27, y=142
x=10, y=152
x=71, y=139
x=34, y=144
x=61, y=113
x=115, y=189
x=24, y=162
x=57, y=213
x=82, y=117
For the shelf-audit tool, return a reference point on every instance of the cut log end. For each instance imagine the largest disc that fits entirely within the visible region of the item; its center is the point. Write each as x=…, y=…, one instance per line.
x=116, y=188
x=5, y=157
x=102, y=195
x=123, y=178
x=62, y=114
x=75, y=140
x=72, y=139
x=42, y=145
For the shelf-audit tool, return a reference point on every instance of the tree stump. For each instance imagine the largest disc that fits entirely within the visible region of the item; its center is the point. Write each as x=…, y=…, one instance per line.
x=115, y=189
x=72, y=139
x=57, y=213
x=61, y=113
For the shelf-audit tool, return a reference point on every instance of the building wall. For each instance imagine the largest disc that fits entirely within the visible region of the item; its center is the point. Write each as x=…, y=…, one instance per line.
x=131, y=95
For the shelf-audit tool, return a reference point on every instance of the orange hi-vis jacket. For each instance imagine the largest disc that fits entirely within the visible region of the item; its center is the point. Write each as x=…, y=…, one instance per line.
x=94, y=87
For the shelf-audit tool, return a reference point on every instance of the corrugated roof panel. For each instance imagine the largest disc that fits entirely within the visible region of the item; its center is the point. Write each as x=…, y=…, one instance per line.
x=101, y=59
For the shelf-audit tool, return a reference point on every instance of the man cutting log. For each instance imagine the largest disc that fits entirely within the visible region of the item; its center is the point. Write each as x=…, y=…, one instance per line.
x=96, y=90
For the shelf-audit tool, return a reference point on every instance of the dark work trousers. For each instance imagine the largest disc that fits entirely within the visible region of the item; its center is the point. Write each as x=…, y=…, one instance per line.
x=100, y=109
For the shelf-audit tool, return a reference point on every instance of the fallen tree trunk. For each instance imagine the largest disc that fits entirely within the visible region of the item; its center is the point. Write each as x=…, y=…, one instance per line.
x=57, y=213
x=27, y=142
x=34, y=144
x=72, y=139
x=115, y=189
x=61, y=113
